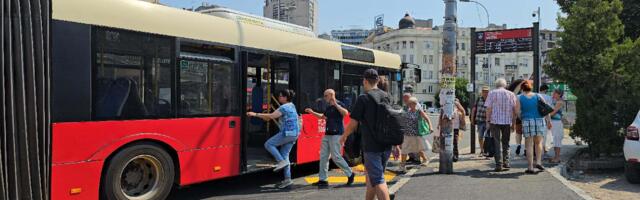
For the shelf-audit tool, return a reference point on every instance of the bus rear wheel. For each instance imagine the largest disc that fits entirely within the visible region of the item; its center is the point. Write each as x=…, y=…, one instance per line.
x=143, y=171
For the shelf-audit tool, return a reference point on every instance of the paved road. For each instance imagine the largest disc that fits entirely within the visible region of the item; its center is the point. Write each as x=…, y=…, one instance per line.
x=474, y=179
x=260, y=185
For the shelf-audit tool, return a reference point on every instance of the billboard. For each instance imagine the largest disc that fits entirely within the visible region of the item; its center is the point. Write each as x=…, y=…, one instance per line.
x=504, y=41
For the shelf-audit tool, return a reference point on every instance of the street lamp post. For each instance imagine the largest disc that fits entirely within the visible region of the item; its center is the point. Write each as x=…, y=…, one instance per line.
x=473, y=72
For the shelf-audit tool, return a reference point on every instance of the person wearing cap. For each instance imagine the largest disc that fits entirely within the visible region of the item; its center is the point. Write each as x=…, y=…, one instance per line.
x=557, y=128
x=375, y=154
x=478, y=118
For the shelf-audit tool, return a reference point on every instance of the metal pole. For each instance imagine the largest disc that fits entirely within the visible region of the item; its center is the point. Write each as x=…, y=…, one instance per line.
x=536, y=56
x=447, y=82
x=473, y=86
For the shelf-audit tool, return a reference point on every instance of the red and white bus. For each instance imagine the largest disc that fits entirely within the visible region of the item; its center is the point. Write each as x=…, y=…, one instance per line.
x=146, y=97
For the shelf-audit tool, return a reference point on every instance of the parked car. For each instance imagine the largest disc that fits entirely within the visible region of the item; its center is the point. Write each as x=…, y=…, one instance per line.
x=632, y=151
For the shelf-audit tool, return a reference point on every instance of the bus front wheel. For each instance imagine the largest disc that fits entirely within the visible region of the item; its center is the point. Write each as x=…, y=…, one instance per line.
x=142, y=171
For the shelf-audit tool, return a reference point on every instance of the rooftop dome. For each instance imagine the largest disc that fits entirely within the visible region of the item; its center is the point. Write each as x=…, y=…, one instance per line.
x=407, y=22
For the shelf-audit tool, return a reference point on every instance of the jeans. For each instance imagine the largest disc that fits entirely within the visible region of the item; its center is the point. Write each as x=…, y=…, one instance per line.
x=375, y=163
x=501, y=136
x=285, y=143
x=482, y=130
x=331, y=147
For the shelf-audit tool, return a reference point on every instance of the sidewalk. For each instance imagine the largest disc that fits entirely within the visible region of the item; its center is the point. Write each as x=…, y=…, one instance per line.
x=474, y=178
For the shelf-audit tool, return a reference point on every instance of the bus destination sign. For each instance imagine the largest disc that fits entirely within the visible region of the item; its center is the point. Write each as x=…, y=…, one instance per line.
x=504, y=41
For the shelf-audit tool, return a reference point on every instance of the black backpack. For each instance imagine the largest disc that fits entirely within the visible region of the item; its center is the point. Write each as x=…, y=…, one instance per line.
x=388, y=127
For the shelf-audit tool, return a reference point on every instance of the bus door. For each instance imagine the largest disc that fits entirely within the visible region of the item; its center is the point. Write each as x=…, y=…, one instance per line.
x=265, y=75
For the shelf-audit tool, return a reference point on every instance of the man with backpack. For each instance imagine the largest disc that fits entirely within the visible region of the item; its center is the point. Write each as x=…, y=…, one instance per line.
x=380, y=129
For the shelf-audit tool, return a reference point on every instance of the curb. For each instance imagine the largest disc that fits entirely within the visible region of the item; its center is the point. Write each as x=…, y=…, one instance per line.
x=560, y=171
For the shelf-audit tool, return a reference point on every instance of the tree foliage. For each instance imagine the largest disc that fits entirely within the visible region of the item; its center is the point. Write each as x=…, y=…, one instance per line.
x=602, y=66
x=630, y=15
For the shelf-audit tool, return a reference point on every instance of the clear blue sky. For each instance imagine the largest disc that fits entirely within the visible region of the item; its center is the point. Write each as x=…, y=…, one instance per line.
x=344, y=14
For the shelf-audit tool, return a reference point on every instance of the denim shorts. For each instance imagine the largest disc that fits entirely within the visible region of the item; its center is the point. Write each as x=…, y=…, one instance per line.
x=375, y=163
x=483, y=130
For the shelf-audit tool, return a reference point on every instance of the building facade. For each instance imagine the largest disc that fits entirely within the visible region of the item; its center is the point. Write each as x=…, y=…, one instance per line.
x=421, y=47
x=299, y=12
x=351, y=36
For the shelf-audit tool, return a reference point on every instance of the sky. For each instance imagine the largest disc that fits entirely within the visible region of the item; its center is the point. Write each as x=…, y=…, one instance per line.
x=346, y=14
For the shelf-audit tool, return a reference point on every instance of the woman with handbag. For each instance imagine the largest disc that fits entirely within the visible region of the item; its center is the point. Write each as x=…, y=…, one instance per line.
x=558, y=126
x=413, y=138
x=533, y=125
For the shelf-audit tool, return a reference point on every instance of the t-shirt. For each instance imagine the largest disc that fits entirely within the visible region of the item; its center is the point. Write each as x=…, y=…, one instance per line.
x=335, y=125
x=289, y=120
x=364, y=113
x=529, y=106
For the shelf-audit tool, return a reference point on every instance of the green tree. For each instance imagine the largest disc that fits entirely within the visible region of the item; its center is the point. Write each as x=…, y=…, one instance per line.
x=630, y=15
x=601, y=67
x=461, y=93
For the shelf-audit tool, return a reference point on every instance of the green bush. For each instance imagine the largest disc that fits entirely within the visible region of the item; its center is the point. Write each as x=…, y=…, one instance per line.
x=602, y=66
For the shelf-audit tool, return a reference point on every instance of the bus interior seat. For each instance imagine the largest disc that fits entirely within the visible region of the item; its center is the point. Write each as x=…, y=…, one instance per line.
x=112, y=97
x=133, y=107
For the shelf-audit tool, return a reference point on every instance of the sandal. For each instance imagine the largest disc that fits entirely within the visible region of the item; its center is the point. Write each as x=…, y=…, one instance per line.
x=540, y=167
x=528, y=171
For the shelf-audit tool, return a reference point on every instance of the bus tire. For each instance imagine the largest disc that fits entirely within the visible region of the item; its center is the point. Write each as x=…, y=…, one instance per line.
x=141, y=171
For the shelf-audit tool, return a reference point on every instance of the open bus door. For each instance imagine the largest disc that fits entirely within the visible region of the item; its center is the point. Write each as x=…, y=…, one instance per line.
x=265, y=75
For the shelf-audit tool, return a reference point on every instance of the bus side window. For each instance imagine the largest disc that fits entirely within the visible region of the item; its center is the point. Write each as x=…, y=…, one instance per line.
x=207, y=80
x=133, y=75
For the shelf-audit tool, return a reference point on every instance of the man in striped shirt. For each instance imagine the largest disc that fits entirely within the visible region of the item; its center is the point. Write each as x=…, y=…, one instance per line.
x=501, y=110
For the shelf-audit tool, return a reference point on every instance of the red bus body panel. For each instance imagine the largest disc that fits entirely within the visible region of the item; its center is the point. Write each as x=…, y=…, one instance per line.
x=207, y=148
x=310, y=139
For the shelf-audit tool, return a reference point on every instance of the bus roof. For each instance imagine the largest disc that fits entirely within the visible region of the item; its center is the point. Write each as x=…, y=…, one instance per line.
x=153, y=18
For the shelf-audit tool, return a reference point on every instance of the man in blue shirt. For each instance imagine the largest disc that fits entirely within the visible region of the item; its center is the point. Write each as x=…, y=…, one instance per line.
x=330, y=147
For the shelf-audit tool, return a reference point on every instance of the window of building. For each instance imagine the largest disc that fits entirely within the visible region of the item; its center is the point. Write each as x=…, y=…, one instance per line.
x=133, y=75
x=463, y=46
x=404, y=44
x=427, y=44
x=404, y=58
x=497, y=63
x=464, y=60
x=550, y=36
x=430, y=59
x=430, y=88
x=411, y=59
x=411, y=44
x=544, y=36
x=430, y=74
x=424, y=59
x=397, y=45
x=457, y=46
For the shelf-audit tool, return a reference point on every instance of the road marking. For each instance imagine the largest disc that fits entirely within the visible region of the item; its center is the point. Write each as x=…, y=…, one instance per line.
x=388, y=176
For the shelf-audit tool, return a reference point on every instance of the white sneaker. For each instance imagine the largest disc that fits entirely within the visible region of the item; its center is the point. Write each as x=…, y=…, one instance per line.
x=280, y=165
x=284, y=184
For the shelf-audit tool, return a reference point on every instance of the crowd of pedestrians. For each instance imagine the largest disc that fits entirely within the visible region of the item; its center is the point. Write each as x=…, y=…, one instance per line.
x=496, y=113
